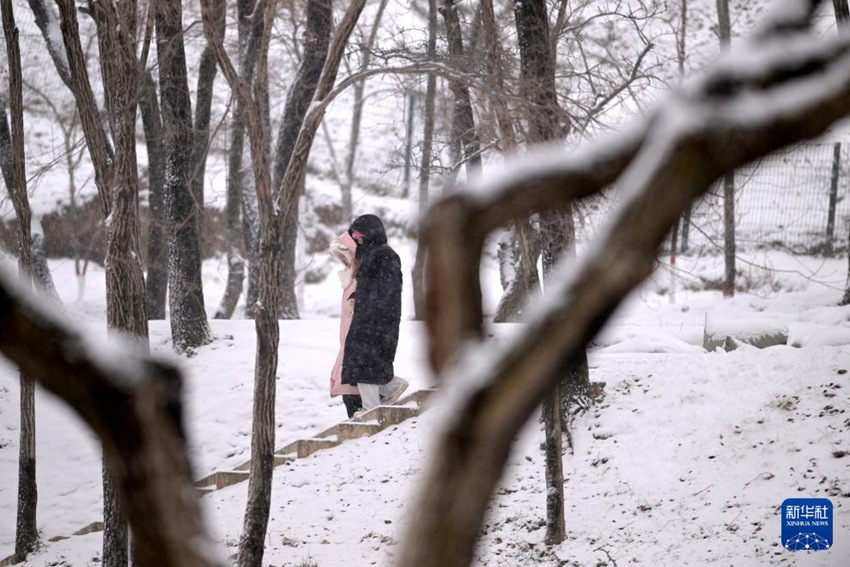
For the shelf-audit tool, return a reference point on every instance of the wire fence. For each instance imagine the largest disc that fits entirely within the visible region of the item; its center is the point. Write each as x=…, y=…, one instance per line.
x=794, y=199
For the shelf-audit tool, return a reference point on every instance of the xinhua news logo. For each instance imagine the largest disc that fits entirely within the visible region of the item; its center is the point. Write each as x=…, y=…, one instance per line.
x=807, y=524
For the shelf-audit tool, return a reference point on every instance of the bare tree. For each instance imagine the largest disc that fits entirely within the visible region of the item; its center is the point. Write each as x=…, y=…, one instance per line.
x=317, y=34
x=117, y=184
x=240, y=208
x=156, y=283
x=546, y=122
x=464, y=135
x=183, y=166
x=418, y=275
x=663, y=166
x=12, y=160
x=253, y=98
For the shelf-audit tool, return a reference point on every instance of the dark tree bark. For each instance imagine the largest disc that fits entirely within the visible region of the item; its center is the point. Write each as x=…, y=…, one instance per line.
x=203, y=115
x=495, y=77
x=555, y=528
x=418, y=275
x=46, y=20
x=241, y=208
x=842, y=12
x=12, y=160
x=189, y=326
x=156, y=282
x=117, y=184
x=317, y=34
x=547, y=122
x=253, y=97
x=525, y=285
x=463, y=120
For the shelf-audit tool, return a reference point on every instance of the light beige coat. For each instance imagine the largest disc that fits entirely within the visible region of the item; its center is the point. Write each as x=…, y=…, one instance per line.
x=343, y=249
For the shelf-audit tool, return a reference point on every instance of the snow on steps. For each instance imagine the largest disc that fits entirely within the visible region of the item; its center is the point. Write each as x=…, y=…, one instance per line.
x=371, y=422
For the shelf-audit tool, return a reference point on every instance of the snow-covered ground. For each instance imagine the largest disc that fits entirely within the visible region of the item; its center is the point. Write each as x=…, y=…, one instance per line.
x=686, y=461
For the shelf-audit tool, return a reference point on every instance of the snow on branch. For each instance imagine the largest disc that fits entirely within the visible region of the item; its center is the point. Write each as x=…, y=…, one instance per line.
x=132, y=402
x=749, y=104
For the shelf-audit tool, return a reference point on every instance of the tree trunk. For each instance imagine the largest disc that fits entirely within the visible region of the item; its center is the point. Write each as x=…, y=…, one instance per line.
x=495, y=75
x=115, y=533
x=316, y=40
x=418, y=275
x=546, y=122
x=555, y=528
x=117, y=185
x=515, y=258
x=253, y=98
x=525, y=283
x=463, y=119
x=42, y=277
x=729, y=234
x=12, y=160
x=842, y=12
x=189, y=326
x=408, y=144
x=236, y=180
x=157, y=280
x=241, y=182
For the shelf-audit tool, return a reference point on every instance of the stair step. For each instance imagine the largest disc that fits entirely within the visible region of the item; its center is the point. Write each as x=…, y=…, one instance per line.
x=363, y=426
x=420, y=397
x=278, y=461
x=307, y=447
x=220, y=479
x=387, y=415
x=355, y=430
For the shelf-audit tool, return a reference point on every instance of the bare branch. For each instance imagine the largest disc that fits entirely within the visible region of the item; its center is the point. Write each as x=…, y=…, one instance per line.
x=133, y=404
x=746, y=106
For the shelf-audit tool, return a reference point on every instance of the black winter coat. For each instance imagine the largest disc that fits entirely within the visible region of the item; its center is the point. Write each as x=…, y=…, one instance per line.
x=372, y=339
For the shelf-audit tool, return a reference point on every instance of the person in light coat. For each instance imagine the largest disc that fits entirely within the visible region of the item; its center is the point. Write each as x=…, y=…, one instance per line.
x=343, y=249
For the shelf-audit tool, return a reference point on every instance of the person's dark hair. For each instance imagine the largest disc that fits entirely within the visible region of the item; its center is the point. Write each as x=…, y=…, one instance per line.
x=374, y=234
x=358, y=261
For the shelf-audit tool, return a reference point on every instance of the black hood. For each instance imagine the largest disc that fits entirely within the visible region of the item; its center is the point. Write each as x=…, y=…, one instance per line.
x=372, y=229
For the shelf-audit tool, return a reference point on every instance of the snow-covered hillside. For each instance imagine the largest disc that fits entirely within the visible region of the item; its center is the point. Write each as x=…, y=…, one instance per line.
x=685, y=462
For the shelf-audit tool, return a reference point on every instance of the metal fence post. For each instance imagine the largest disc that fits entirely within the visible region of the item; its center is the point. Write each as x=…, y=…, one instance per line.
x=833, y=196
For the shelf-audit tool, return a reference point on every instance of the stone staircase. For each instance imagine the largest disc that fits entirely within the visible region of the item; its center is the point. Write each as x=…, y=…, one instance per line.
x=370, y=423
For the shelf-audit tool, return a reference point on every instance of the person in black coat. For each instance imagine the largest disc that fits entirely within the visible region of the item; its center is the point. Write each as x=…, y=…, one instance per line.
x=370, y=345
